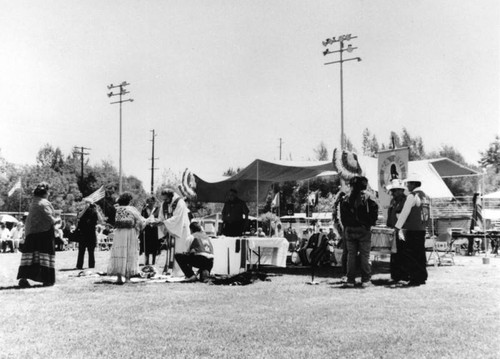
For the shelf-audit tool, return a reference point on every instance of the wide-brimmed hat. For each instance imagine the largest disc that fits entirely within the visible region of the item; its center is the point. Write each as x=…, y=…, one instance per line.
x=395, y=184
x=413, y=177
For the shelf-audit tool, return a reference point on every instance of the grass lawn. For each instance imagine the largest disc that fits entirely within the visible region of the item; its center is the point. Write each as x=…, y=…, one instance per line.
x=456, y=315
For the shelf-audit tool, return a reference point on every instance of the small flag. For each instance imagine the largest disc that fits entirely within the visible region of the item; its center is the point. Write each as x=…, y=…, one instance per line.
x=96, y=196
x=276, y=201
x=16, y=187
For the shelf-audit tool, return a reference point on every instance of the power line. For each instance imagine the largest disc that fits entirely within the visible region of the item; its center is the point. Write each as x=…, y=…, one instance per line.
x=341, y=39
x=122, y=92
x=81, y=151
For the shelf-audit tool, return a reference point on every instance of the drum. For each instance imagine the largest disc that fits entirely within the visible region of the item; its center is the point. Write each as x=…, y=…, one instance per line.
x=382, y=237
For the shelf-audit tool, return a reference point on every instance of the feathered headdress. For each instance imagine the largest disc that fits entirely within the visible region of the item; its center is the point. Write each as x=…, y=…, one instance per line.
x=346, y=164
x=188, y=184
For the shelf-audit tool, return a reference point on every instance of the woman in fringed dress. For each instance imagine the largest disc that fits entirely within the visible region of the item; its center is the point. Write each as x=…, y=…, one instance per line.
x=38, y=258
x=124, y=258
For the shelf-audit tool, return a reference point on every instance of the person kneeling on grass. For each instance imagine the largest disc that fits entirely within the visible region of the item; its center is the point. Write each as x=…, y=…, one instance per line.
x=199, y=255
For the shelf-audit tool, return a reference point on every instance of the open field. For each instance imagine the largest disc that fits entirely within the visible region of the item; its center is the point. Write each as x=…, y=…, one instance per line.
x=456, y=315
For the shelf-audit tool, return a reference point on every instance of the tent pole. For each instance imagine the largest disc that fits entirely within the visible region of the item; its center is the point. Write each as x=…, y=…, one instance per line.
x=257, y=199
x=307, y=205
x=485, y=261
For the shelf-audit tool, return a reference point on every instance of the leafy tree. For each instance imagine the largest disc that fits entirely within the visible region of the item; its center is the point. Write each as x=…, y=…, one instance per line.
x=325, y=204
x=231, y=171
x=134, y=185
x=321, y=152
x=366, y=145
x=394, y=140
x=370, y=145
x=3, y=168
x=414, y=143
x=348, y=145
x=491, y=180
x=49, y=156
x=450, y=152
x=491, y=157
x=460, y=186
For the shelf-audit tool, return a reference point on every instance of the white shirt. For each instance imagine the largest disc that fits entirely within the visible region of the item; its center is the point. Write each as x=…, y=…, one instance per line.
x=5, y=234
x=16, y=234
x=411, y=201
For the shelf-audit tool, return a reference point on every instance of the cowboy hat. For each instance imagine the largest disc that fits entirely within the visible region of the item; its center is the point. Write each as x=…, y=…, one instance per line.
x=413, y=177
x=395, y=184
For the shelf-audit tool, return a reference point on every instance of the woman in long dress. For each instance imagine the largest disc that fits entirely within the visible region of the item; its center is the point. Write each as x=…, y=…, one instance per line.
x=124, y=258
x=38, y=258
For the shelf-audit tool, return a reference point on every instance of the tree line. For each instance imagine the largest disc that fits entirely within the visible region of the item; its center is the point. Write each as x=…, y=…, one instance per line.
x=69, y=184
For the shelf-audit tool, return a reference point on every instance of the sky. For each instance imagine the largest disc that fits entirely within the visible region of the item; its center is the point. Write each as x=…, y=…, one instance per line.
x=221, y=82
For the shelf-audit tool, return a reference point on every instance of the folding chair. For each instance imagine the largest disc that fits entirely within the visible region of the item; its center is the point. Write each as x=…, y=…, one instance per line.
x=430, y=246
x=444, y=253
x=443, y=249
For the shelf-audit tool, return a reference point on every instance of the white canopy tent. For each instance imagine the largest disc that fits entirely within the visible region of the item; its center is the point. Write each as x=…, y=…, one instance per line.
x=432, y=172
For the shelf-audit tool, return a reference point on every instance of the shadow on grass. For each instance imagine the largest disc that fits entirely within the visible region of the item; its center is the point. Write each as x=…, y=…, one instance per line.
x=111, y=282
x=17, y=287
x=378, y=267
x=135, y=282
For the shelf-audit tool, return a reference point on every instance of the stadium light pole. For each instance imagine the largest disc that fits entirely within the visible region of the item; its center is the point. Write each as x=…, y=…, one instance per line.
x=341, y=39
x=121, y=92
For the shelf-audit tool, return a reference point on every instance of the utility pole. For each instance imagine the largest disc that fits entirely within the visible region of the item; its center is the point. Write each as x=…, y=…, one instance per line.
x=81, y=151
x=153, y=160
x=281, y=144
x=341, y=39
x=122, y=92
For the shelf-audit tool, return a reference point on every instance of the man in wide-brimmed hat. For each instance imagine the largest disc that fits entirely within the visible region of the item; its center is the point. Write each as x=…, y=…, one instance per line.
x=411, y=225
x=397, y=189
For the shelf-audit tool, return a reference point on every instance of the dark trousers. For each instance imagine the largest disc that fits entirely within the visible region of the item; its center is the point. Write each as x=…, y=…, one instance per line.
x=343, y=259
x=8, y=243
x=153, y=255
x=494, y=246
x=470, y=246
x=81, y=253
x=398, y=268
x=414, y=259
x=234, y=229
x=189, y=260
x=358, y=240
